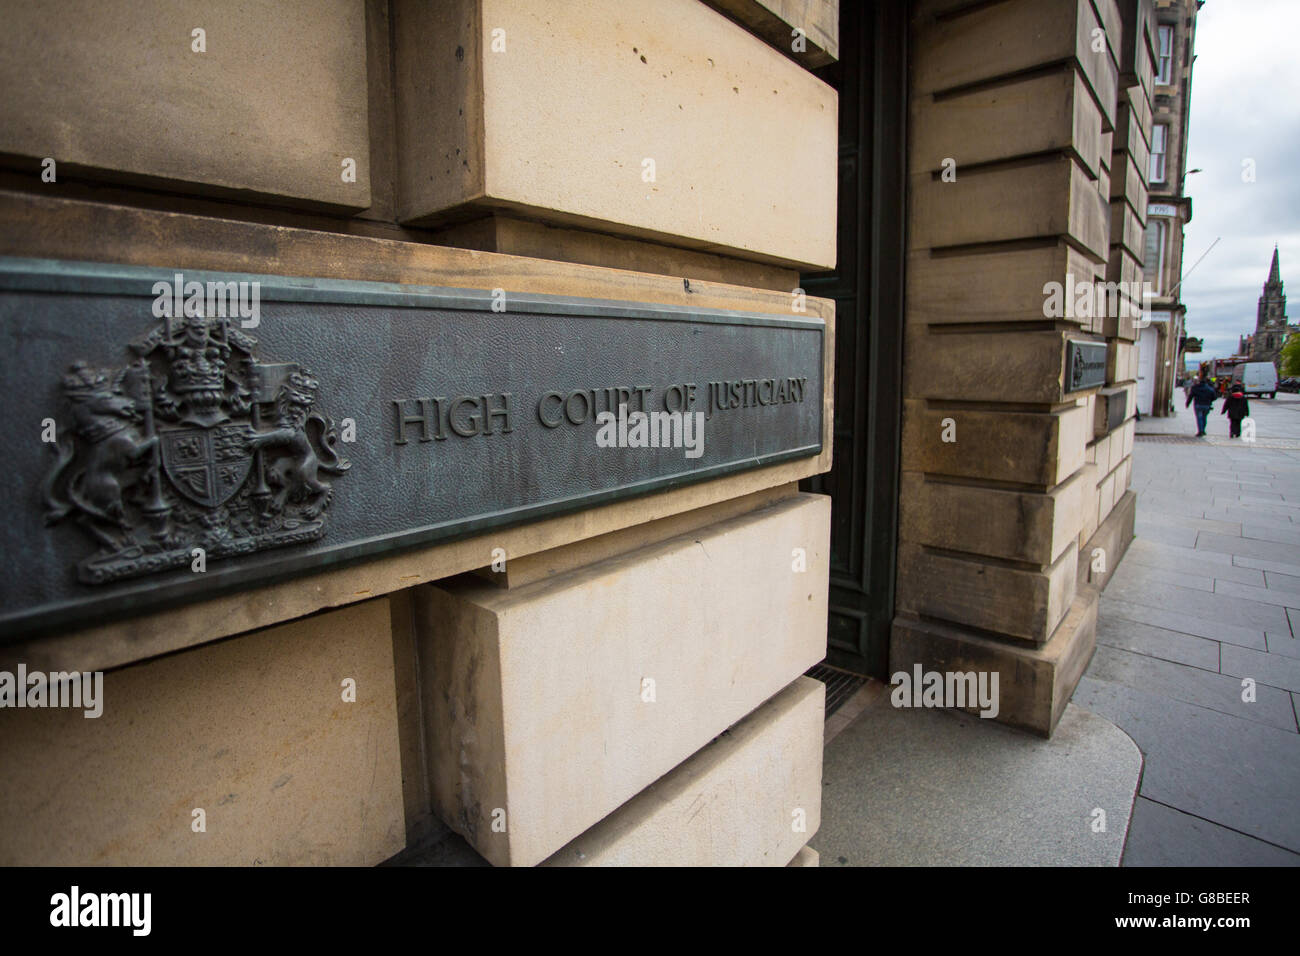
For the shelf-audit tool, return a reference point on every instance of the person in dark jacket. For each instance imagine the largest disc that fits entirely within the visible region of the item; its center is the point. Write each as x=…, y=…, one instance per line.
x=1236, y=408
x=1203, y=396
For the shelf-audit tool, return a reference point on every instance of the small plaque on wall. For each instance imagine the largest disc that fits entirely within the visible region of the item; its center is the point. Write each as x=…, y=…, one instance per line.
x=1085, y=365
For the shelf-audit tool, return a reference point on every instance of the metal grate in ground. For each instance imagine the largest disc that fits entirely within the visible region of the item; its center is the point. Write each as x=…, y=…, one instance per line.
x=840, y=685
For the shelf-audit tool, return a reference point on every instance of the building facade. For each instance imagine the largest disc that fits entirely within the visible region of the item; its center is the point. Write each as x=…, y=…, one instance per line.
x=1169, y=208
x=615, y=677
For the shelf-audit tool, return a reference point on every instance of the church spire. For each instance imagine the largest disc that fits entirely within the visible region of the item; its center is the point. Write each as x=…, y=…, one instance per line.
x=1270, y=321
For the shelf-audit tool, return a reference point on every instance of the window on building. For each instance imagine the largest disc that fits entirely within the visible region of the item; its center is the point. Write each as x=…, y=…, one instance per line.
x=1153, y=266
x=1165, y=59
x=1156, y=171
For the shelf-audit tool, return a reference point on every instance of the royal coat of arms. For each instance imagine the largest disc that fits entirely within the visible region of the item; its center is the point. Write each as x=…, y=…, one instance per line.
x=195, y=444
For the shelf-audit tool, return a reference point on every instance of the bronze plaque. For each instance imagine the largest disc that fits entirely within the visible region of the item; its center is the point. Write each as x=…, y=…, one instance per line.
x=179, y=434
x=1085, y=365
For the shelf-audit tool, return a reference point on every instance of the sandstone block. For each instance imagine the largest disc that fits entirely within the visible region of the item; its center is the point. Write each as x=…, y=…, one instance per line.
x=254, y=731
x=551, y=705
x=676, y=107
x=1034, y=683
x=272, y=108
x=752, y=797
x=1016, y=601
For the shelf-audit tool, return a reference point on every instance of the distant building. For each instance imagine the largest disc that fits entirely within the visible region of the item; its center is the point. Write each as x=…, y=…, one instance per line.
x=1168, y=209
x=1270, y=319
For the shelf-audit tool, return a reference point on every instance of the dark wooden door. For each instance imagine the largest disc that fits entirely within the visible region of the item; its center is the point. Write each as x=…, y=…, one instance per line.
x=867, y=286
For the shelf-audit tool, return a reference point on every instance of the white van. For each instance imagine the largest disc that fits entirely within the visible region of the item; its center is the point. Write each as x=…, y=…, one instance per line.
x=1256, y=378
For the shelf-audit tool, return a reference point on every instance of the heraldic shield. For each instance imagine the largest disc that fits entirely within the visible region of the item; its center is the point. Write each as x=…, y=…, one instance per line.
x=206, y=465
x=195, y=444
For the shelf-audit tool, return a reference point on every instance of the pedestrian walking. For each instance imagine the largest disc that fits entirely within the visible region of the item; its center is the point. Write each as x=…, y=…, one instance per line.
x=1202, y=396
x=1236, y=408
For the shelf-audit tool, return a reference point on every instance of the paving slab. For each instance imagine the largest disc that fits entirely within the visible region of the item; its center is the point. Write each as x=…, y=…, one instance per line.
x=1236, y=482
x=1242, y=512
x=1284, y=644
x=1247, y=547
x=1275, y=670
x=1185, y=505
x=1164, y=836
x=1179, y=561
x=918, y=787
x=1231, y=572
x=1253, y=475
x=1276, y=579
x=1184, y=623
x=1277, y=501
x=1188, y=558
x=1217, y=608
x=1150, y=519
x=1268, y=532
x=1276, y=596
x=1237, y=773
x=1265, y=564
x=1159, y=643
x=1138, y=575
x=1221, y=692
x=1183, y=537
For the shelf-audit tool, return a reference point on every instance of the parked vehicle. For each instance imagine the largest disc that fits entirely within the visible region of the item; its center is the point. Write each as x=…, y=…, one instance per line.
x=1256, y=378
x=1289, y=385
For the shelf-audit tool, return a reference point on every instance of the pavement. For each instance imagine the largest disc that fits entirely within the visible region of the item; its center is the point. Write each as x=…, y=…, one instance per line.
x=1184, y=727
x=916, y=787
x=1204, y=608
x=1277, y=421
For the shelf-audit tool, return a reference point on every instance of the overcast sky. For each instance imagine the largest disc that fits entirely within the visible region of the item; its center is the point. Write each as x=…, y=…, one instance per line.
x=1245, y=104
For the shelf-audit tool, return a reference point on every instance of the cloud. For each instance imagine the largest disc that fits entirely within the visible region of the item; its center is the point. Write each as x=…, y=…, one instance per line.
x=1245, y=104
